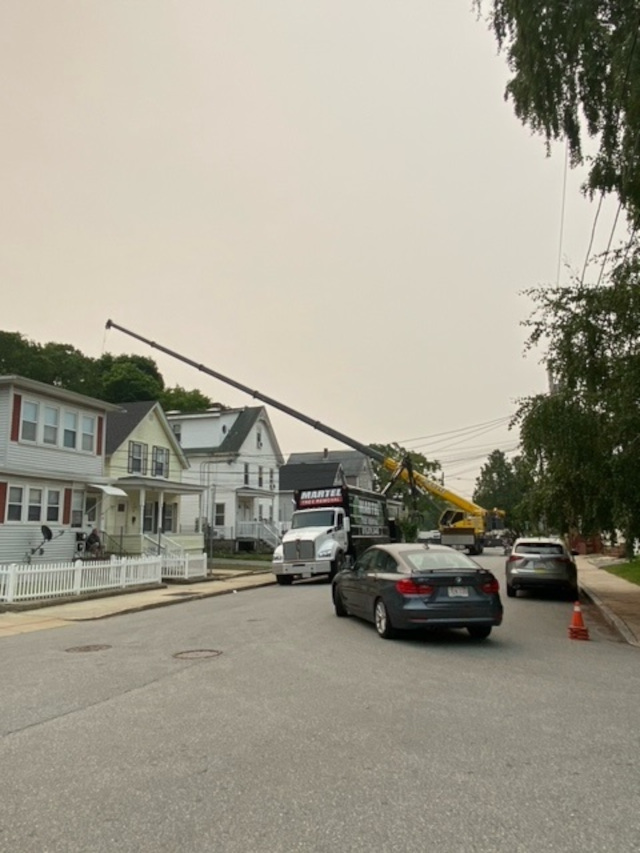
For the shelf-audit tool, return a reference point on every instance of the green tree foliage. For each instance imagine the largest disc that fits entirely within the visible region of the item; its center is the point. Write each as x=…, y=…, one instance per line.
x=581, y=441
x=180, y=400
x=575, y=71
x=425, y=510
x=118, y=379
x=501, y=485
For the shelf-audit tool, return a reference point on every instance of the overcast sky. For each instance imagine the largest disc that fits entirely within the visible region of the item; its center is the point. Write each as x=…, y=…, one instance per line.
x=328, y=201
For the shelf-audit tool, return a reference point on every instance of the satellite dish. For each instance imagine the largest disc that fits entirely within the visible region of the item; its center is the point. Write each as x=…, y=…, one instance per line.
x=47, y=535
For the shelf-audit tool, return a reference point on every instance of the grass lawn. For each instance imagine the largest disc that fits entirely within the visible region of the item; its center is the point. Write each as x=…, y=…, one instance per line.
x=628, y=571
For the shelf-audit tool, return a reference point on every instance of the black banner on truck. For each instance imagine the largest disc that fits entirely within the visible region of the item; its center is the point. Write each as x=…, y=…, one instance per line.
x=319, y=497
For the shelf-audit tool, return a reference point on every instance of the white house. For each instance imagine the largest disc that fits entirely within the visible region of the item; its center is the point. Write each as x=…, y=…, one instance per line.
x=52, y=446
x=234, y=455
x=146, y=462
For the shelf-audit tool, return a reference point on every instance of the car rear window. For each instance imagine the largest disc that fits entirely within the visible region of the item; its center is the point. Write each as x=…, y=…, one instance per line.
x=539, y=548
x=424, y=561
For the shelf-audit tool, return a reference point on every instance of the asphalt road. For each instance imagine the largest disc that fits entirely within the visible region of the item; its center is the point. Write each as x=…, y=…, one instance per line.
x=309, y=733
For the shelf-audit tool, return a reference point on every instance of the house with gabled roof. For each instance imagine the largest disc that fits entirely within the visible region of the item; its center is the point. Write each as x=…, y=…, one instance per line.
x=52, y=471
x=145, y=460
x=321, y=469
x=234, y=456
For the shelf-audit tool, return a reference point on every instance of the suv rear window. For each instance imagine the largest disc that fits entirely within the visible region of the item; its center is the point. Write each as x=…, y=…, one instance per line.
x=538, y=548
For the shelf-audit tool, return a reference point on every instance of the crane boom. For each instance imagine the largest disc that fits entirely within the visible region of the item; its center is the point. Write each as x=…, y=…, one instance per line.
x=391, y=465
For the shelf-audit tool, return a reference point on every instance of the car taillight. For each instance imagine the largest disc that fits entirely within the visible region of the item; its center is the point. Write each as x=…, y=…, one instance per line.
x=406, y=586
x=512, y=558
x=491, y=587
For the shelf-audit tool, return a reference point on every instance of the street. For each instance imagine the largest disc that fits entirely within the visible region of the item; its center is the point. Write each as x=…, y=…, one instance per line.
x=309, y=733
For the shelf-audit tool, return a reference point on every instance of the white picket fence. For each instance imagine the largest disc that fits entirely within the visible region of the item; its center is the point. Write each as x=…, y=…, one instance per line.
x=184, y=565
x=25, y=582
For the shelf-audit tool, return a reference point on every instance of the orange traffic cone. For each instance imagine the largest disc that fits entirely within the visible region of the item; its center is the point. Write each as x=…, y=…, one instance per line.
x=577, y=629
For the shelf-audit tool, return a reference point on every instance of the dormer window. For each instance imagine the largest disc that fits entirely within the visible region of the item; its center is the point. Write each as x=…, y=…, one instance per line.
x=259, y=438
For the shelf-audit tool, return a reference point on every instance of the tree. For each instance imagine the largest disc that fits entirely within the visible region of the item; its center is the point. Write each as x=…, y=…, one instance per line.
x=575, y=72
x=179, y=400
x=125, y=382
x=499, y=486
x=425, y=509
x=582, y=440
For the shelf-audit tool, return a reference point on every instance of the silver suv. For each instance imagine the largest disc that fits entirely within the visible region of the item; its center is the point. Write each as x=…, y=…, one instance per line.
x=538, y=562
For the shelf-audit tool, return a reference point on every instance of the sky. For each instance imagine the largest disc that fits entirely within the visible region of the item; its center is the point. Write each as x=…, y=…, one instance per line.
x=329, y=202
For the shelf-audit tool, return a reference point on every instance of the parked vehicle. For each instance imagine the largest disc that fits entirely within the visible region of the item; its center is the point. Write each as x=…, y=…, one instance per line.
x=327, y=526
x=541, y=563
x=430, y=536
x=463, y=524
x=412, y=586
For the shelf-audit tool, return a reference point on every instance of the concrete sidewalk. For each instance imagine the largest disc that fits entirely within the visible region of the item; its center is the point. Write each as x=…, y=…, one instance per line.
x=618, y=600
x=59, y=615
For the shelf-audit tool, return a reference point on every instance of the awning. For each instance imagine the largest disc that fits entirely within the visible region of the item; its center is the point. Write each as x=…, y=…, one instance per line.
x=109, y=490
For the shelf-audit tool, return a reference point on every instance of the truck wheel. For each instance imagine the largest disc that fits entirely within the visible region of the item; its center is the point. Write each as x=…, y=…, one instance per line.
x=336, y=565
x=284, y=580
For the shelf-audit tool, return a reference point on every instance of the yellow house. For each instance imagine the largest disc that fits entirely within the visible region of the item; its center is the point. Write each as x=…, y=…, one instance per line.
x=145, y=464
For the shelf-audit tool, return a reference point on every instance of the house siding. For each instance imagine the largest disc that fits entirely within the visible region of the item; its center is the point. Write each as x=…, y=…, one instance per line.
x=150, y=432
x=5, y=419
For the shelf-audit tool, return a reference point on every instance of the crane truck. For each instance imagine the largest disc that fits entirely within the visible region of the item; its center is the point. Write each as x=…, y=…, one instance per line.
x=463, y=524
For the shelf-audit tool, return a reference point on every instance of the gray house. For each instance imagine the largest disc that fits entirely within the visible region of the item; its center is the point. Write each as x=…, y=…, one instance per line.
x=321, y=469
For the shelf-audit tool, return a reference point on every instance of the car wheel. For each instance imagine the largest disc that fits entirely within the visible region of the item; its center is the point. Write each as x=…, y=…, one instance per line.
x=511, y=591
x=284, y=580
x=382, y=622
x=479, y=632
x=338, y=603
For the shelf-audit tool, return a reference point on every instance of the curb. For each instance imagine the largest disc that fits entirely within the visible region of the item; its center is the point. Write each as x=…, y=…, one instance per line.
x=153, y=605
x=615, y=621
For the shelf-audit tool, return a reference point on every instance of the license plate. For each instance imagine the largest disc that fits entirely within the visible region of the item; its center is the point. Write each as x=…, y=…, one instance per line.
x=458, y=592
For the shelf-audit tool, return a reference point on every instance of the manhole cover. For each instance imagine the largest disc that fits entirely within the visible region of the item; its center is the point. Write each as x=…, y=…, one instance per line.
x=94, y=648
x=196, y=654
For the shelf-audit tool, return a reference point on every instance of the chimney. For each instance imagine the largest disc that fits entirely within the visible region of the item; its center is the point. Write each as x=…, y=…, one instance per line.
x=325, y=454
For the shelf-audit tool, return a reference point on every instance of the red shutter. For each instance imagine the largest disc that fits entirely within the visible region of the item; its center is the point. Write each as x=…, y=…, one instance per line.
x=66, y=510
x=100, y=429
x=15, y=417
x=3, y=501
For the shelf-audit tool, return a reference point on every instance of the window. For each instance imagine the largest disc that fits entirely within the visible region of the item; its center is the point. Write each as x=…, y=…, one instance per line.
x=272, y=484
x=137, y=458
x=246, y=473
x=88, y=440
x=260, y=516
x=29, y=431
x=53, y=505
x=219, y=516
x=148, y=519
x=70, y=433
x=160, y=462
x=51, y=422
x=177, y=431
x=14, y=505
x=34, y=512
x=259, y=438
x=168, y=518
x=260, y=475
x=77, y=508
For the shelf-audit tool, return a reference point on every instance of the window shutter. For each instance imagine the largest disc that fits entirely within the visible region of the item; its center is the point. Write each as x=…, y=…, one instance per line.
x=66, y=510
x=100, y=433
x=145, y=454
x=3, y=501
x=130, y=464
x=15, y=417
x=154, y=462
